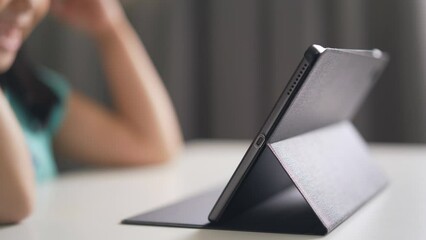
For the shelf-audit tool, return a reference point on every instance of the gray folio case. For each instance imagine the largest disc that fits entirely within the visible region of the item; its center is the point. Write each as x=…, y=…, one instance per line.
x=315, y=170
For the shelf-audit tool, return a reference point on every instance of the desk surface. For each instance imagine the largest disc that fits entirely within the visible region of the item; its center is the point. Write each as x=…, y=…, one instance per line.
x=90, y=204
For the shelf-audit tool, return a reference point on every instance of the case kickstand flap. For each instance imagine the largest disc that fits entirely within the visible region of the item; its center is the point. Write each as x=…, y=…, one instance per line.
x=308, y=184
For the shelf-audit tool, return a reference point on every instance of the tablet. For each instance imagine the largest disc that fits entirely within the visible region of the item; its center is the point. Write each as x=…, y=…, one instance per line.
x=312, y=113
x=327, y=87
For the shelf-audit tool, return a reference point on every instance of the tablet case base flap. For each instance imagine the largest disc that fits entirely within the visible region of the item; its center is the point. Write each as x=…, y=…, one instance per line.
x=308, y=184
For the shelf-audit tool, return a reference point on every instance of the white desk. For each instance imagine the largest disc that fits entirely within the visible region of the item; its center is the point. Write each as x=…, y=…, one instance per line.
x=90, y=205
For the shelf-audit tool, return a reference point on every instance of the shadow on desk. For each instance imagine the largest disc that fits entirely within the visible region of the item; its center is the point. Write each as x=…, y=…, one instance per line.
x=231, y=235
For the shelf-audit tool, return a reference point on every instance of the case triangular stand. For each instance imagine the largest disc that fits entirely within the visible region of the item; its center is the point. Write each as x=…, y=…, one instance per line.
x=308, y=184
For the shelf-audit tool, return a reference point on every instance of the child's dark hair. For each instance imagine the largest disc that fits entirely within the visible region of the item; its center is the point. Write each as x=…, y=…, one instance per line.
x=23, y=82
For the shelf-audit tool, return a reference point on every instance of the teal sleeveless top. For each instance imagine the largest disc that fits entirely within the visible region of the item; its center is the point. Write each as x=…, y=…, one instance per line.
x=39, y=140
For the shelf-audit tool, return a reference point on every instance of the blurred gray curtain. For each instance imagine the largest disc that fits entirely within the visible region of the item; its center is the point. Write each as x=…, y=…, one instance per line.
x=225, y=62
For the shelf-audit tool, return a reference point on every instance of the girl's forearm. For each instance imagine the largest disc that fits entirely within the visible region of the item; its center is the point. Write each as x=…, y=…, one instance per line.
x=16, y=173
x=138, y=93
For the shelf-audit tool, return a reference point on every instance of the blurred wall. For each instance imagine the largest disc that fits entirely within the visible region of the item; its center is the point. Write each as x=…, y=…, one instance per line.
x=225, y=62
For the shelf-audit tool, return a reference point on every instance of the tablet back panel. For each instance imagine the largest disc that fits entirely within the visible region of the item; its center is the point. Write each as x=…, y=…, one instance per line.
x=332, y=92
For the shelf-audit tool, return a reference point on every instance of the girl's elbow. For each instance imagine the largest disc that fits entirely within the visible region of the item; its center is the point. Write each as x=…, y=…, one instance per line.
x=171, y=152
x=20, y=214
x=17, y=211
x=163, y=154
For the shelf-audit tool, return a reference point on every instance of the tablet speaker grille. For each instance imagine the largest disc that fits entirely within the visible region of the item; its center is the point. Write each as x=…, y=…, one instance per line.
x=299, y=76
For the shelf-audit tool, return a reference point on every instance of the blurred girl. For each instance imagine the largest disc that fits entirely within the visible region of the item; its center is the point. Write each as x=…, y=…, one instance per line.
x=40, y=115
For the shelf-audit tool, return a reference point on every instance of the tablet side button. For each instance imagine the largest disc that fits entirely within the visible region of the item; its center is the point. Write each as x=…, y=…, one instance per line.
x=259, y=141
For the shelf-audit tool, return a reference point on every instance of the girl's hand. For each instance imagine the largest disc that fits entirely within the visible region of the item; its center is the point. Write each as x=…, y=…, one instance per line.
x=96, y=17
